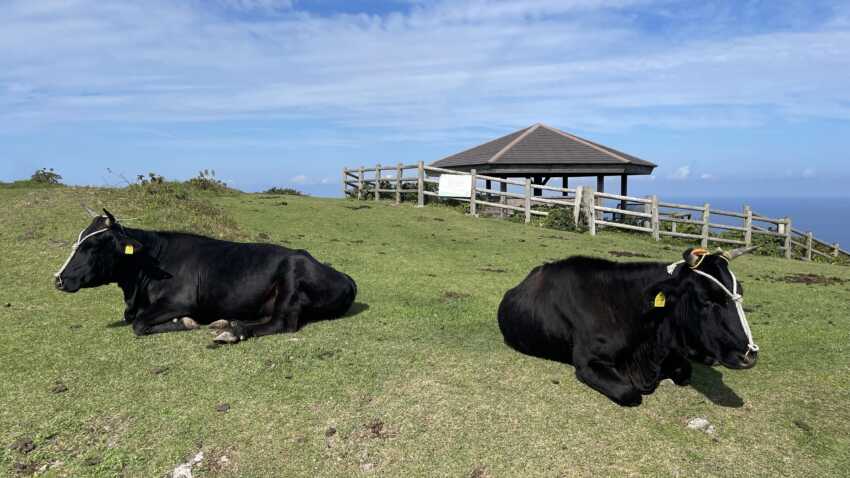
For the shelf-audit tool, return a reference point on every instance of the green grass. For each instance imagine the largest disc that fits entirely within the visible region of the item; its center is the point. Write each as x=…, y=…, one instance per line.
x=424, y=356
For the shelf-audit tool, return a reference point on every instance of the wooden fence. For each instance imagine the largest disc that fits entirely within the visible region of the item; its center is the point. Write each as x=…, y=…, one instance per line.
x=596, y=210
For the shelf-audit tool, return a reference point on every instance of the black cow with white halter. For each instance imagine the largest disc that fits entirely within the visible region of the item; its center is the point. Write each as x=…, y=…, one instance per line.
x=174, y=281
x=627, y=326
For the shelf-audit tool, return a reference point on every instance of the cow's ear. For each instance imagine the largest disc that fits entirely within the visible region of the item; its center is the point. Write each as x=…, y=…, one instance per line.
x=664, y=293
x=110, y=219
x=128, y=246
x=693, y=255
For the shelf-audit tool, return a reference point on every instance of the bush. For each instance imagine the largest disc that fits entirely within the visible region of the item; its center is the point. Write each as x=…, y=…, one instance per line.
x=206, y=181
x=284, y=191
x=46, y=176
x=562, y=218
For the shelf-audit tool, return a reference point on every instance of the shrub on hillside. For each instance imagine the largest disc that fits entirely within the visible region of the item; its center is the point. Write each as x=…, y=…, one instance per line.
x=46, y=176
x=562, y=218
x=206, y=181
x=284, y=191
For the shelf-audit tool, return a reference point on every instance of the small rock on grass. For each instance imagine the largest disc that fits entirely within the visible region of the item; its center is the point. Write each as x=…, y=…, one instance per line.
x=159, y=370
x=222, y=407
x=184, y=470
x=59, y=387
x=701, y=424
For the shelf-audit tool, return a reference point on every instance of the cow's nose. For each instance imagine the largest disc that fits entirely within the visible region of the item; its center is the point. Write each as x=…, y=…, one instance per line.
x=749, y=359
x=57, y=281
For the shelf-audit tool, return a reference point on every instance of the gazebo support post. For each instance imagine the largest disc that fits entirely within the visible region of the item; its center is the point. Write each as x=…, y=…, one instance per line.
x=503, y=199
x=600, y=188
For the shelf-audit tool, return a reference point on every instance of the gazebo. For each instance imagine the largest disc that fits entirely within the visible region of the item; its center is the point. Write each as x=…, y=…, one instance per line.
x=541, y=153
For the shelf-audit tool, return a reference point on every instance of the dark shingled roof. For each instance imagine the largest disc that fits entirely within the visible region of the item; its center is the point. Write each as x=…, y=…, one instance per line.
x=540, y=145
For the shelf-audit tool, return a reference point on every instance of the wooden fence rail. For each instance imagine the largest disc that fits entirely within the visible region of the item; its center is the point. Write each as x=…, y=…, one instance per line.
x=601, y=210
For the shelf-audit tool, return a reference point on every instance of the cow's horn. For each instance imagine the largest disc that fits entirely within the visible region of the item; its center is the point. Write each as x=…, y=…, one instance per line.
x=741, y=251
x=89, y=210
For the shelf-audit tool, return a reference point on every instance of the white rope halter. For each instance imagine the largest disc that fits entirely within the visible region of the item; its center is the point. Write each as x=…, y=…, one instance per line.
x=734, y=295
x=74, y=247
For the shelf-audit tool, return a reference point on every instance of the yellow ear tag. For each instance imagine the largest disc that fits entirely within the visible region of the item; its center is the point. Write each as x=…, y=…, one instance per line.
x=660, y=300
x=128, y=250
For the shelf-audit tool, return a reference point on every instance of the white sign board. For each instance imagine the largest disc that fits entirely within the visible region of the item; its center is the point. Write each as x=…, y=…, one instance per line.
x=455, y=185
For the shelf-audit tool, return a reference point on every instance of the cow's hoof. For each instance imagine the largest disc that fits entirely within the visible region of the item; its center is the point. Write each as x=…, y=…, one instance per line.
x=189, y=323
x=226, y=337
x=220, y=324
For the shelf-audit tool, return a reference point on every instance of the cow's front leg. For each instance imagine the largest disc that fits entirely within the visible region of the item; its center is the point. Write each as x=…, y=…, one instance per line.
x=607, y=380
x=677, y=368
x=159, y=319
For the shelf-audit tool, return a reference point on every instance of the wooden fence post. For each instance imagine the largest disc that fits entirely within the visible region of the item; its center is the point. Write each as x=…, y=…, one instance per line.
x=655, y=222
x=503, y=198
x=577, y=205
x=360, y=183
x=809, y=241
x=420, y=184
x=473, y=207
x=344, y=182
x=706, y=214
x=835, y=249
x=377, y=182
x=398, y=172
x=789, y=253
x=527, y=200
x=589, y=201
x=748, y=226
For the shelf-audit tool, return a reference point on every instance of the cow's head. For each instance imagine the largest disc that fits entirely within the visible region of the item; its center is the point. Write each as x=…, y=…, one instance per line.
x=704, y=298
x=100, y=250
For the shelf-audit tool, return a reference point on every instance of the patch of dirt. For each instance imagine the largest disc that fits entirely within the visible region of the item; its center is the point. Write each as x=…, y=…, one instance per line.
x=803, y=426
x=480, y=471
x=494, y=270
x=59, y=387
x=812, y=279
x=450, y=295
x=376, y=429
x=325, y=355
x=159, y=370
x=219, y=461
x=439, y=219
x=222, y=407
x=23, y=445
x=25, y=469
x=92, y=461
x=263, y=236
x=357, y=208
x=29, y=235
x=628, y=254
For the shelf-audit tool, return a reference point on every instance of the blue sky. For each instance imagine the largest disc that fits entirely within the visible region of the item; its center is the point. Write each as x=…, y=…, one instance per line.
x=732, y=98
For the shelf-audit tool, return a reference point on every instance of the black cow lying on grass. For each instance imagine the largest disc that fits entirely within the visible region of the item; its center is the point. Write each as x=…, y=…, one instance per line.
x=169, y=278
x=627, y=326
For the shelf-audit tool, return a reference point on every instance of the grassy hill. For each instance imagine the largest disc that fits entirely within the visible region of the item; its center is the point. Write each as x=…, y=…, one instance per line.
x=416, y=382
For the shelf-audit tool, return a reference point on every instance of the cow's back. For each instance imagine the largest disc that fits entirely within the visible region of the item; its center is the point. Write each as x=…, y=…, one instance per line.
x=531, y=320
x=580, y=299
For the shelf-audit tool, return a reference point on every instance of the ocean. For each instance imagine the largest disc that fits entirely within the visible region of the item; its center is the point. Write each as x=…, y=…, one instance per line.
x=828, y=218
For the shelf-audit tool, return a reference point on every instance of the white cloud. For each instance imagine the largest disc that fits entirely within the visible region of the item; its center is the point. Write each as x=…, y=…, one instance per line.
x=706, y=176
x=300, y=179
x=681, y=173
x=809, y=173
x=444, y=65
